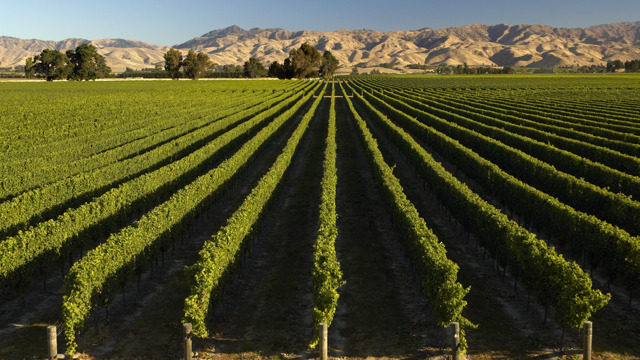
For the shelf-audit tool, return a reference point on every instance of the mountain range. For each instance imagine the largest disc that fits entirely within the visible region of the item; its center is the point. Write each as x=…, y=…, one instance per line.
x=492, y=45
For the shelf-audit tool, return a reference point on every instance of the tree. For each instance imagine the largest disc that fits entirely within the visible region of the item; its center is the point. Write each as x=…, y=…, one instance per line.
x=52, y=65
x=276, y=70
x=632, y=66
x=329, y=65
x=464, y=69
x=29, y=68
x=444, y=69
x=284, y=71
x=173, y=62
x=196, y=64
x=87, y=63
x=354, y=71
x=230, y=68
x=612, y=66
x=253, y=68
x=289, y=70
x=508, y=70
x=305, y=61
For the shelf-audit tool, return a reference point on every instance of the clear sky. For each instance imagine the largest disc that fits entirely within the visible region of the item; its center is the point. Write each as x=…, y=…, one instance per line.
x=163, y=22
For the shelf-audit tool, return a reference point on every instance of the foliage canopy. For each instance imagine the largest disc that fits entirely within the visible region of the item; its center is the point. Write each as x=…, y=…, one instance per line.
x=329, y=65
x=83, y=63
x=196, y=64
x=306, y=61
x=52, y=65
x=253, y=68
x=173, y=62
x=87, y=63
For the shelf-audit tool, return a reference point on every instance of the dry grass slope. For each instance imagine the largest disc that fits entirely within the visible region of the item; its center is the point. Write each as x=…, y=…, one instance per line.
x=499, y=45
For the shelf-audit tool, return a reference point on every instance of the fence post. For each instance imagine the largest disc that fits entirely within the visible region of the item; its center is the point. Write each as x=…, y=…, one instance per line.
x=587, y=335
x=324, y=341
x=52, y=341
x=455, y=339
x=186, y=332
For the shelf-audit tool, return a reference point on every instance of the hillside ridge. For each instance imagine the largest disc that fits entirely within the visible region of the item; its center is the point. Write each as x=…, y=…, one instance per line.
x=475, y=44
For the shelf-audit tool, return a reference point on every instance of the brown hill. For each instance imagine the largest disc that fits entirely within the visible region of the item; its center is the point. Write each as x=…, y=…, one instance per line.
x=119, y=53
x=499, y=45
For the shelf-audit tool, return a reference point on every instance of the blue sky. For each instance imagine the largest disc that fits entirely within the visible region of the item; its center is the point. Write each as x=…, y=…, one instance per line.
x=164, y=22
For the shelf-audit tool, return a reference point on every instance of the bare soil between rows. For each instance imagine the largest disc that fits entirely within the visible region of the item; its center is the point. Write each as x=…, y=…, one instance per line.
x=382, y=311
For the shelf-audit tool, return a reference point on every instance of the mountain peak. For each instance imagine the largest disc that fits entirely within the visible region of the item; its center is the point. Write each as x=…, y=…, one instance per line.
x=488, y=45
x=228, y=31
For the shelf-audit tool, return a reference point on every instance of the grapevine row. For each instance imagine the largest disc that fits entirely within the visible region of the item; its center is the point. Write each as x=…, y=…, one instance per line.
x=613, y=159
x=327, y=276
x=552, y=279
x=596, y=173
x=570, y=127
x=611, y=97
x=597, y=127
x=75, y=120
x=608, y=113
x=602, y=243
x=124, y=124
x=39, y=202
x=439, y=274
x=615, y=208
x=31, y=176
x=95, y=275
x=24, y=254
x=539, y=127
x=220, y=254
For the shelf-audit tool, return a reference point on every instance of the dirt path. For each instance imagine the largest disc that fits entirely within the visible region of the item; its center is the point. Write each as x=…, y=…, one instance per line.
x=381, y=311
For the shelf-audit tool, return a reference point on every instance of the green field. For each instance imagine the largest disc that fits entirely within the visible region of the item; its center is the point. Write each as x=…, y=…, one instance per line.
x=387, y=206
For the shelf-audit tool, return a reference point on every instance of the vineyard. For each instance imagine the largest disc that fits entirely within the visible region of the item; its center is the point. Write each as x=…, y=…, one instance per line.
x=387, y=207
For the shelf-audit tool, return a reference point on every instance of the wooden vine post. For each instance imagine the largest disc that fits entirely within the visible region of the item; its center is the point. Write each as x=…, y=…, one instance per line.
x=52, y=342
x=587, y=337
x=455, y=339
x=186, y=333
x=324, y=341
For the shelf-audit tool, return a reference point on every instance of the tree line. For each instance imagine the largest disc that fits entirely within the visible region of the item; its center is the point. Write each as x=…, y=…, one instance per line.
x=193, y=65
x=83, y=63
x=628, y=66
x=304, y=62
x=465, y=69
